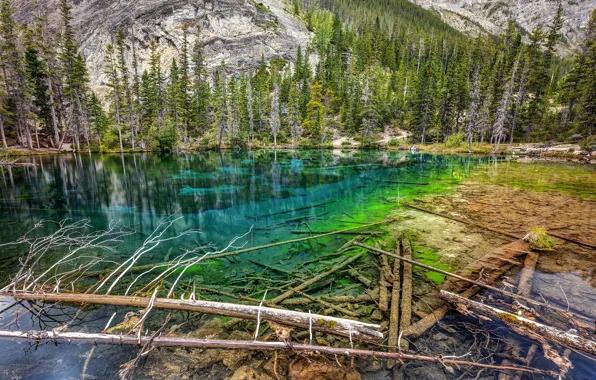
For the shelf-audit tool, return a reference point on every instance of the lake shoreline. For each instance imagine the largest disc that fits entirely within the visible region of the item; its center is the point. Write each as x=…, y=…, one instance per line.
x=523, y=152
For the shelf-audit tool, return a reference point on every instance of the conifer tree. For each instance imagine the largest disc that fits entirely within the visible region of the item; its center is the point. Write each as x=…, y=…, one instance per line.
x=12, y=61
x=200, y=87
x=274, y=117
x=115, y=90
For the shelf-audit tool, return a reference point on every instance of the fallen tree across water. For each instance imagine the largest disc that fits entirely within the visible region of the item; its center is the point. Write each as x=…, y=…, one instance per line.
x=166, y=341
x=522, y=325
x=336, y=326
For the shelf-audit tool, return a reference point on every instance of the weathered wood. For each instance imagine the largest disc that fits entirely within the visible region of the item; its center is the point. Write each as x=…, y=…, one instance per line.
x=374, y=233
x=406, y=290
x=408, y=183
x=524, y=286
x=522, y=325
x=394, y=312
x=474, y=282
x=143, y=268
x=383, y=295
x=318, y=277
x=509, y=251
x=329, y=305
x=337, y=326
x=166, y=341
x=335, y=299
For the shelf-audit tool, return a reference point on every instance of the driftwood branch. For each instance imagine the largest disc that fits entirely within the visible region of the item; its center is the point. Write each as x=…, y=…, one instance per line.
x=165, y=341
x=522, y=325
x=336, y=326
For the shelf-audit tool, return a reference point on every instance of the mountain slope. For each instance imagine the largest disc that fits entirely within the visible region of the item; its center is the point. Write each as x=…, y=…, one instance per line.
x=491, y=16
x=237, y=31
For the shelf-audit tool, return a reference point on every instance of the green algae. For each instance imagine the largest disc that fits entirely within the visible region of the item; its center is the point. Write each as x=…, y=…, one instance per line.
x=430, y=257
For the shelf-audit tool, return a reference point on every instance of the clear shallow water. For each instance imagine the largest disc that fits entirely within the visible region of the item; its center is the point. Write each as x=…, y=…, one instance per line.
x=223, y=195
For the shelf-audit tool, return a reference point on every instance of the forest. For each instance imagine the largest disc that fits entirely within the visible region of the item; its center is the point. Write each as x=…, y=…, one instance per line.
x=369, y=66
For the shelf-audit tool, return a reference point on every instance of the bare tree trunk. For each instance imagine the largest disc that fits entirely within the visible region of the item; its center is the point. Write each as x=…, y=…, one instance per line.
x=165, y=341
x=523, y=325
x=4, y=144
x=337, y=326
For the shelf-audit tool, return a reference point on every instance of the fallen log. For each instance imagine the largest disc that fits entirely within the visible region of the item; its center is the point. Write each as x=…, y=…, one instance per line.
x=394, y=311
x=142, y=268
x=474, y=282
x=335, y=299
x=406, y=289
x=293, y=210
x=524, y=287
x=318, y=277
x=337, y=326
x=165, y=341
x=373, y=233
x=509, y=251
x=408, y=183
x=522, y=325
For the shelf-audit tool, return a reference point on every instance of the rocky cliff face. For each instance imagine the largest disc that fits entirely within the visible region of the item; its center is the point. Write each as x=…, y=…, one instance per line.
x=237, y=31
x=491, y=16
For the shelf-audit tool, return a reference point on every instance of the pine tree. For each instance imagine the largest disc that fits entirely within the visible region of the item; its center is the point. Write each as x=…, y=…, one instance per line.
x=12, y=61
x=587, y=87
x=315, y=114
x=274, y=117
x=128, y=104
x=115, y=89
x=156, y=81
x=220, y=104
x=200, y=87
x=293, y=118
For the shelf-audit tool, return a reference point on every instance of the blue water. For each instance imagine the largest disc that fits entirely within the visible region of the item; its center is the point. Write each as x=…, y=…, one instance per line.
x=223, y=195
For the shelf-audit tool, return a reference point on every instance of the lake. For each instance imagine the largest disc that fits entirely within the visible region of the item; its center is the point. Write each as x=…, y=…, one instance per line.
x=264, y=197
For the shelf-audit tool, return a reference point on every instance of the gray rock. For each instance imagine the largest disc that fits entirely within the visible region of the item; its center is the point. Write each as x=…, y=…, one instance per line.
x=479, y=17
x=237, y=31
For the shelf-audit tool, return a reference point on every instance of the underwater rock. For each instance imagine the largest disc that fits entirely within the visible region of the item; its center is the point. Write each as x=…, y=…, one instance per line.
x=248, y=373
x=321, y=369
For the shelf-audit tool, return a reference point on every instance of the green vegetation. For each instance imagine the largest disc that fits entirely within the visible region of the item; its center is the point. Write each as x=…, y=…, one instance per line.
x=540, y=240
x=379, y=63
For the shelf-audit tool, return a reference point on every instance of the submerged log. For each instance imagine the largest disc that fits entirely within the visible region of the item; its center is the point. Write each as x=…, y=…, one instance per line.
x=522, y=325
x=458, y=277
x=406, y=289
x=166, y=341
x=336, y=326
x=318, y=277
x=509, y=251
x=524, y=286
x=143, y=268
x=394, y=311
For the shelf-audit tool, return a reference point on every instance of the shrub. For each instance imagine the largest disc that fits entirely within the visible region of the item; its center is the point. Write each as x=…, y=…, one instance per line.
x=393, y=142
x=539, y=240
x=454, y=141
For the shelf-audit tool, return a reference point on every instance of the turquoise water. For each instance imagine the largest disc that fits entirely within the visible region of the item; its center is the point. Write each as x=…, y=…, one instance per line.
x=223, y=195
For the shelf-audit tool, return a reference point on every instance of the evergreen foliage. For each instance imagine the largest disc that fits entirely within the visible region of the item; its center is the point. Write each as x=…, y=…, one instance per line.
x=370, y=65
